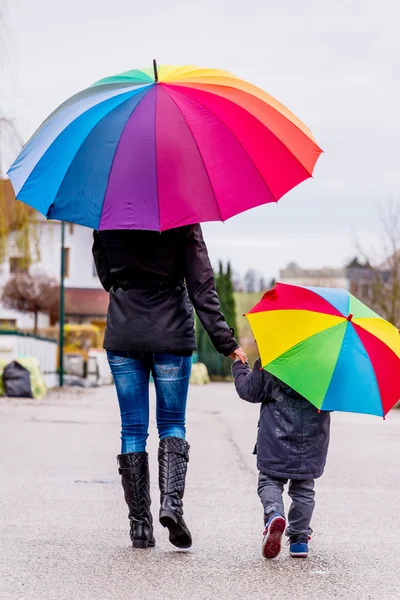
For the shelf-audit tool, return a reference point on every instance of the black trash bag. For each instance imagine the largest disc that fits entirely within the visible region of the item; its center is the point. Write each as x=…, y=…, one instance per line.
x=17, y=381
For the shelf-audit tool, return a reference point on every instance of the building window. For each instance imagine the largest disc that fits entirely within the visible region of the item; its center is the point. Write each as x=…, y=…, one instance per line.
x=67, y=254
x=18, y=265
x=8, y=324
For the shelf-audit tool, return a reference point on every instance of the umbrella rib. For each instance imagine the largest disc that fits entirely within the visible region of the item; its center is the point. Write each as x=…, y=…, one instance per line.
x=298, y=344
x=55, y=115
x=286, y=112
x=314, y=291
x=371, y=363
x=199, y=151
x=81, y=96
x=156, y=161
x=83, y=141
x=115, y=153
x=212, y=93
x=237, y=139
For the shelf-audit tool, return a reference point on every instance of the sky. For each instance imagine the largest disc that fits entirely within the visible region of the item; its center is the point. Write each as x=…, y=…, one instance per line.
x=334, y=63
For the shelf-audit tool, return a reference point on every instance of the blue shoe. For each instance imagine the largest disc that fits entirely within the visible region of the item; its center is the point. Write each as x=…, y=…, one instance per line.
x=299, y=547
x=274, y=530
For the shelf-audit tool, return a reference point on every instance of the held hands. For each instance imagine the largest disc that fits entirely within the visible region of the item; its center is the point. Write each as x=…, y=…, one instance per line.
x=238, y=354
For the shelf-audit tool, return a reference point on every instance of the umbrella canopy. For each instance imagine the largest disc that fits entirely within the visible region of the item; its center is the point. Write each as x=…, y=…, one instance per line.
x=329, y=347
x=163, y=147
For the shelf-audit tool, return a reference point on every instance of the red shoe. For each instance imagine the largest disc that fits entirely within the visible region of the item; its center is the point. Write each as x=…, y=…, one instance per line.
x=274, y=530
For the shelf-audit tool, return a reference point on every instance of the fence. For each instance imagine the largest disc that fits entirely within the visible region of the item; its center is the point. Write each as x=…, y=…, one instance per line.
x=14, y=344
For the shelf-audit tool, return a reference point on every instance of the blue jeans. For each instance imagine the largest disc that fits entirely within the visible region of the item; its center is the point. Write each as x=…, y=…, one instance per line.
x=131, y=372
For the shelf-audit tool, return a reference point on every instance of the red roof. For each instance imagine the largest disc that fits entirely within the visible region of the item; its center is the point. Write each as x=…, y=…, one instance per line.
x=86, y=302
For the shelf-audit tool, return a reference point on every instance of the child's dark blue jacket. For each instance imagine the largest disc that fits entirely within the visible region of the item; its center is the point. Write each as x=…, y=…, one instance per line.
x=293, y=437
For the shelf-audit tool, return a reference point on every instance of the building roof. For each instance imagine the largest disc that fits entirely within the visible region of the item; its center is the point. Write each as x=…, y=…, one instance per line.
x=356, y=264
x=89, y=302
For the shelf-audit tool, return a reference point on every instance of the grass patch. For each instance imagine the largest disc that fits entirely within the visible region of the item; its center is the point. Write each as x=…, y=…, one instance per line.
x=244, y=302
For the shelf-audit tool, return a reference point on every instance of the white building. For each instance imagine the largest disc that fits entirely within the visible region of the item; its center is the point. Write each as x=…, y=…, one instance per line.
x=356, y=277
x=324, y=277
x=85, y=299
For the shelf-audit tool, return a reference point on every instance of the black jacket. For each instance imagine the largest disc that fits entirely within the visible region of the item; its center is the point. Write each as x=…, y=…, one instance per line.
x=154, y=279
x=293, y=437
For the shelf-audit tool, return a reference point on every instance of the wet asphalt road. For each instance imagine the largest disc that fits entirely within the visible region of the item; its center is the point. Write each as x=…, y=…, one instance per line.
x=64, y=527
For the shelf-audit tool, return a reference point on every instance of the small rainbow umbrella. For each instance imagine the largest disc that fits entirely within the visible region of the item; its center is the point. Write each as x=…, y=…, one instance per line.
x=163, y=147
x=329, y=347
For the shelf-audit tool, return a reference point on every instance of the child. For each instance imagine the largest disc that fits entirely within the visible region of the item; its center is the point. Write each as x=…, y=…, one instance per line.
x=292, y=444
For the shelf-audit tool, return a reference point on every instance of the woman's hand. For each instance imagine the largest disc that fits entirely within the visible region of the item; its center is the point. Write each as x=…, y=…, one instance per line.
x=239, y=354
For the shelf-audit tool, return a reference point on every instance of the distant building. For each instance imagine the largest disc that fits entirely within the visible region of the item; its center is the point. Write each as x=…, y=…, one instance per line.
x=362, y=278
x=85, y=299
x=293, y=274
x=356, y=277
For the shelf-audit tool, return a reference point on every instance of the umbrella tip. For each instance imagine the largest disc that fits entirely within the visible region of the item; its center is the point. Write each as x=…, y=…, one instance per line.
x=350, y=317
x=155, y=69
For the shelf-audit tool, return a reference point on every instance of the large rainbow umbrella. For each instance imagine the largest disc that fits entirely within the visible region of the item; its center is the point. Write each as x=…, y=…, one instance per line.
x=329, y=347
x=163, y=147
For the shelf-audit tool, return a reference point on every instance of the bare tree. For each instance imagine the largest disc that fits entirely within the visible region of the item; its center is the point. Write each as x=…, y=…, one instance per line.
x=382, y=292
x=19, y=226
x=262, y=286
x=250, y=280
x=237, y=282
x=32, y=294
x=10, y=143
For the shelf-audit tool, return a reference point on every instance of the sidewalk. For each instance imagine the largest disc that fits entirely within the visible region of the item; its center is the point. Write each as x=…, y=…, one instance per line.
x=65, y=532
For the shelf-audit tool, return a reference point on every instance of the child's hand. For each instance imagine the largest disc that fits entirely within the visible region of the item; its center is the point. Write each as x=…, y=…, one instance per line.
x=239, y=354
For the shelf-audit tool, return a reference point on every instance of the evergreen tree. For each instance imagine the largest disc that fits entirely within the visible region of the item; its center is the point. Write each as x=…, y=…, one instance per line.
x=229, y=308
x=216, y=364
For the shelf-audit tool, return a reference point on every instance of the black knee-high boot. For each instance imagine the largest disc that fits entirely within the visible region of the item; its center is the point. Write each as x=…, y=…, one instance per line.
x=173, y=456
x=134, y=471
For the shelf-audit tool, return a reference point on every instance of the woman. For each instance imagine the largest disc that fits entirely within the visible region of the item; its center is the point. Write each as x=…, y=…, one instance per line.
x=153, y=280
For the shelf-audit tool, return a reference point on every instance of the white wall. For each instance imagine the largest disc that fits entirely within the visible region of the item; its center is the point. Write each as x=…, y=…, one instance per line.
x=24, y=320
x=79, y=241
x=333, y=282
x=81, y=260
